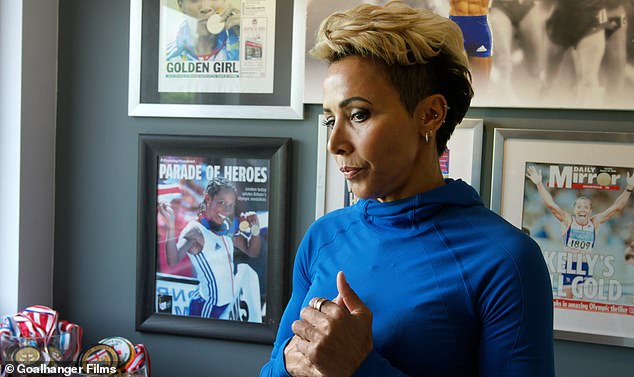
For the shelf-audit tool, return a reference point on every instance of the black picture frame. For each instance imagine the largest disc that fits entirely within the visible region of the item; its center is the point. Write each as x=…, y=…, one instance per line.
x=272, y=153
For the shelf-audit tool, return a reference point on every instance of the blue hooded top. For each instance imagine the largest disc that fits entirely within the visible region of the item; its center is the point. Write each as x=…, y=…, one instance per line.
x=455, y=290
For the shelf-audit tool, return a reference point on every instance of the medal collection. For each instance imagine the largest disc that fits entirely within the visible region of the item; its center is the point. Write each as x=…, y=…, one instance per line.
x=35, y=342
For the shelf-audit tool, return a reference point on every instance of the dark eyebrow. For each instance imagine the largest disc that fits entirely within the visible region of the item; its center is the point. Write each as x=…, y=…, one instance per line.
x=347, y=101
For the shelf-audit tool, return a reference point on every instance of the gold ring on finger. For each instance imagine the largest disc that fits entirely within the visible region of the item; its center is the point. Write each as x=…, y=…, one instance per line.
x=318, y=303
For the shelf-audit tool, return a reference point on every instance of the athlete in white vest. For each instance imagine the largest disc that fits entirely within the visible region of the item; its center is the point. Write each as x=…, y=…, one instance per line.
x=579, y=229
x=209, y=244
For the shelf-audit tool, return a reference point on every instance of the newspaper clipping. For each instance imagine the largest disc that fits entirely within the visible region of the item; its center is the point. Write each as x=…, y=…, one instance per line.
x=212, y=237
x=221, y=46
x=582, y=217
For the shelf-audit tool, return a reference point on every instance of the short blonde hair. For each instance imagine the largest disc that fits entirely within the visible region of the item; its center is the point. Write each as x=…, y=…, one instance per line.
x=423, y=53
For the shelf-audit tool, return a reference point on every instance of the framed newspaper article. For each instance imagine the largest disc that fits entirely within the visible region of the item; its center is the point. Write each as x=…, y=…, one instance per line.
x=531, y=56
x=212, y=246
x=220, y=59
x=460, y=160
x=572, y=193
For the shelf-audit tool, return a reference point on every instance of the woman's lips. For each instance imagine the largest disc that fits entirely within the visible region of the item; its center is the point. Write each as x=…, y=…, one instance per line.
x=349, y=172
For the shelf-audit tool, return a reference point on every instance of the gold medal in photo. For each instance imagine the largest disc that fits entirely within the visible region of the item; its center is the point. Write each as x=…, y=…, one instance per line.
x=244, y=226
x=215, y=24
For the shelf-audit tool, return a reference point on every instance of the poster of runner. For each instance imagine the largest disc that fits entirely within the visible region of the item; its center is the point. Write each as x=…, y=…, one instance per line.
x=582, y=217
x=525, y=53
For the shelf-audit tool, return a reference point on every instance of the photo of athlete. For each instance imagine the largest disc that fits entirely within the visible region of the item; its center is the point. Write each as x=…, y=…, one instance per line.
x=613, y=66
x=208, y=242
x=209, y=30
x=580, y=228
x=472, y=17
x=584, y=40
x=525, y=53
x=519, y=36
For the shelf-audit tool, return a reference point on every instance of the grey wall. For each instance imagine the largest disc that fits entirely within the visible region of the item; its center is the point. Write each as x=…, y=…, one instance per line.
x=96, y=191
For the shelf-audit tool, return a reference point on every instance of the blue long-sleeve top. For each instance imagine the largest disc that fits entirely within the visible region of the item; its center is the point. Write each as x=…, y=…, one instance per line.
x=455, y=290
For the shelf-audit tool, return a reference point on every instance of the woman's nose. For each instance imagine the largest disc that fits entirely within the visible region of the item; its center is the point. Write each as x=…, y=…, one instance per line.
x=338, y=142
x=206, y=6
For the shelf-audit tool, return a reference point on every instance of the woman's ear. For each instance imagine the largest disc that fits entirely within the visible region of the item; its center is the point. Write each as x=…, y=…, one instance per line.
x=431, y=111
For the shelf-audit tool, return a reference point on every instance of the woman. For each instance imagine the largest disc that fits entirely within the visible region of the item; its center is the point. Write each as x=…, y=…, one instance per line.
x=435, y=284
x=213, y=33
x=209, y=244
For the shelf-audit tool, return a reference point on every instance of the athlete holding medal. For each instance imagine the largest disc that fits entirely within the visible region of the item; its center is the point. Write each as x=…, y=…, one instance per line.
x=217, y=34
x=579, y=229
x=209, y=244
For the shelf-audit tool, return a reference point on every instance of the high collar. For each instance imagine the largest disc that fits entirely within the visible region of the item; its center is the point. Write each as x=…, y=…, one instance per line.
x=411, y=213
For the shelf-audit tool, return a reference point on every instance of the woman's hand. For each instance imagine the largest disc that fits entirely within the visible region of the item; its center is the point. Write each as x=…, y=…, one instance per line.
x=534, y=174
x=253, y=218
x=337, y=338
x=298, y=365
x=195, y=241
x=167, y=212
x=231, y=17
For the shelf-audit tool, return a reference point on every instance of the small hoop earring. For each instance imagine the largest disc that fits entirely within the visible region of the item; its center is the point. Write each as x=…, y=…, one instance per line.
x=426, y=137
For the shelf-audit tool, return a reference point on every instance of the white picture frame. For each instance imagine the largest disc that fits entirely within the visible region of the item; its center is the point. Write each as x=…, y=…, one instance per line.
x=514, y=150
x=277, y=105
x=465, y=146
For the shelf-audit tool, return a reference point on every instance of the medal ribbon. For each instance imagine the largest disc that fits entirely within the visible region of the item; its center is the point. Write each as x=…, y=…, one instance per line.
x=141, y=358
x=25, y=327
x=44, y=320
x=74, y=331
x=9, y=323
x=5, y=331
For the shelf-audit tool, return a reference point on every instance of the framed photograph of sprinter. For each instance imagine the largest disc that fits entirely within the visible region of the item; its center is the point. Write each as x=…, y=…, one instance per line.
x=572, y=193
x=221, y=59
x=461, y=160
x=526, y=53
x=212, y=246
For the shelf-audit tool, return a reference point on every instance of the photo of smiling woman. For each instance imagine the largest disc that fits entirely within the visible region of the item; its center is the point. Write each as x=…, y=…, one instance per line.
x=216, y=47
x=418, y=278
x=212, y=237
x=208, y=242
x=210, y=30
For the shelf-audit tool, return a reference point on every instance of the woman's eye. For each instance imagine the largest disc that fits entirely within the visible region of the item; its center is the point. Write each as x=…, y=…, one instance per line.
x=329, y=122
x=359, y=116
